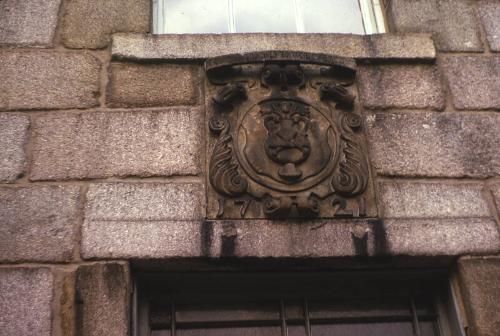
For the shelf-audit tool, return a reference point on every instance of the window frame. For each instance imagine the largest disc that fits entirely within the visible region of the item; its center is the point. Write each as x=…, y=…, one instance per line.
x=372, y=15
x=448, y=315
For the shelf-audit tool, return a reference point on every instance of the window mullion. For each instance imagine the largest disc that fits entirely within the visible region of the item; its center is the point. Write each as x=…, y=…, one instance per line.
x=231, y=21
x=299, y=22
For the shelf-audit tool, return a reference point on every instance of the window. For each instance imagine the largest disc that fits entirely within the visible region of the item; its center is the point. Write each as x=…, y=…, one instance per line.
x=295, y=304
x=279, y=16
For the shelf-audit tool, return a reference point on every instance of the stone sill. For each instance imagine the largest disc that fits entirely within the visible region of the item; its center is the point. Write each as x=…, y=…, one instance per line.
x=198, y=47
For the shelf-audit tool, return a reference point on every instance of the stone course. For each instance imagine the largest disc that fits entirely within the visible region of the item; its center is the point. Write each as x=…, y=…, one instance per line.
x=90, y=23
x=452, y=22
x=144, y=201
x=474, y=81
x=432, y=200
x=135, y=239
x=103, y=292
x=132, y=84
x=202, y=46
x=143, y=220
x=103, y=144
x=37, y=223
x=28, y=22
x=441, y=237
x=403, y=86
x=48, y=80
x=25, y=301
x=434, y=144
x=13, y=134
x=489, y=12
x=481, y=290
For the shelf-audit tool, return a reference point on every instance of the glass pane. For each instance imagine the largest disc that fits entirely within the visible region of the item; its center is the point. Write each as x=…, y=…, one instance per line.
x=365, y=329
x=160, y=333
x=264, y=16
x=331, y=16
x=360, y=307
x=241, y=331
x=428, y=328
x=227, y=311
x=196, y=16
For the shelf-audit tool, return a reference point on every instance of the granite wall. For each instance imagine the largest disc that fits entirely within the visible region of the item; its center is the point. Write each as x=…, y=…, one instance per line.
x=102, y=158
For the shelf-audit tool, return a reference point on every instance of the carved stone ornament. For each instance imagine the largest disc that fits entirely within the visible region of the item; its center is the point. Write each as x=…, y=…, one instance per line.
x=285, y=137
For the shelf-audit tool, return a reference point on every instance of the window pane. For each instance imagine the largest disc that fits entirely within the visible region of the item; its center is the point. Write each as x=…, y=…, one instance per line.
x=368, y=329
x=331, y=16
x=196, y=16
x=264, y=16
x=242, y=331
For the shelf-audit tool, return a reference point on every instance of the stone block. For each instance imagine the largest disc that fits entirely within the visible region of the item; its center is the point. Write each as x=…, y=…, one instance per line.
x=489, y=12
x=481, y=292
x=153, y=239
x=38, y=223
x=474, y=81
x=432, y=200
x=13, y=133
x=434, y=144
x=103, y=144
x=152, y=85
x=404, y=86
x=25, y=301
x=201, y=46
x=452, y=22
x=48, y=80
x=495, y=189
x=103, y=292
x=145, y=201
x=89, y=24
x=441, y=237
x=147, y=220
x=28, y=22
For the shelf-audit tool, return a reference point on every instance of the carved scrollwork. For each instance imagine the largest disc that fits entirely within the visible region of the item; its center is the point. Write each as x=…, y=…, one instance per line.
x=224, y=174
x=278, y=150
x=353, y=173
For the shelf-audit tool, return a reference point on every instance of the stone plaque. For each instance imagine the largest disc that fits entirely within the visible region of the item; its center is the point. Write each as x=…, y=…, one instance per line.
x=286, y=138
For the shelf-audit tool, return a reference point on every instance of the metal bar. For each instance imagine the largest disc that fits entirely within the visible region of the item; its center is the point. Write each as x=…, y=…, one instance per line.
x=231, y=20
x=299, y=22
x=284, y=329
x=416, y=327
x=306, y=318
x=172, y=319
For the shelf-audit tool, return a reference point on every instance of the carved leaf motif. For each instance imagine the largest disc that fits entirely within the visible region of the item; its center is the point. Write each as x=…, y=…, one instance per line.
x=224, y=174
x=353, y=176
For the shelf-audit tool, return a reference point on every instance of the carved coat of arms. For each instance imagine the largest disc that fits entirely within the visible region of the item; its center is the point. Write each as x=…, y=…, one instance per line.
x=286, y=138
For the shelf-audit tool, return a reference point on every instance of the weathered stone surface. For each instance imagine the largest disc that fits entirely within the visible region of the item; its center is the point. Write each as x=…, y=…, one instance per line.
x=114, y=239
x=432, y=200
x=42, y=79
x=13, y=130
x=201, y=46
x=481, y=291
x=284, y=239
x=495, y=188
x=28, y=22
x=445, y=237
x=144, y=201
x=434, y=144
x=452, y=22
x=152, y=85
x=25, y=301
x=103, y=294
x=37, y=223
x=89, y=24
x=489, y=12
x=406, y=86
x=103, y=144
x=474, y=81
